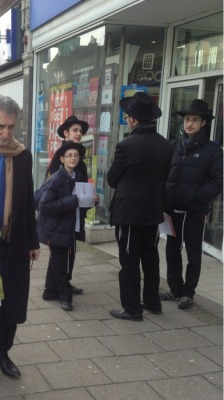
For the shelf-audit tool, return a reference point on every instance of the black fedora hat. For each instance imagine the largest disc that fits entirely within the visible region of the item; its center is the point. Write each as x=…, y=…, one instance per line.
x=69, y=122
x=68, y=145
x=140, y=106
x=197, y=107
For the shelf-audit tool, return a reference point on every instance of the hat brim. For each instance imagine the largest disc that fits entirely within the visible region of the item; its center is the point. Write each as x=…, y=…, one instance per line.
x=154, y=112
x=65, y=125
x=203, y=116
x=70, y=145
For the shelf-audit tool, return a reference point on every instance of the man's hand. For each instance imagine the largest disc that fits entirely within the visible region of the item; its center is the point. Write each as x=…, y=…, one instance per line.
x=34, y=254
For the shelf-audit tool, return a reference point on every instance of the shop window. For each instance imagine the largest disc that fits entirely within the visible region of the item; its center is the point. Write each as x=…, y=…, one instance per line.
x=87, y=75
x=11, y=47
x=198, y=46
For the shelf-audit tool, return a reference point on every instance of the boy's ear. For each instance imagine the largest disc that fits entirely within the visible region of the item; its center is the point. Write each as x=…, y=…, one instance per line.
x=66, y=133
x=62, y=159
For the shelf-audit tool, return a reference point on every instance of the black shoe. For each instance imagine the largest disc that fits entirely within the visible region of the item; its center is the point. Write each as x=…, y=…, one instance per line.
x=76, y=290
x=8, y=367
x=49, y=297
x=169, y=296
x=126, y=315
x=66, y=305
x=154, y=310
x=185, y=303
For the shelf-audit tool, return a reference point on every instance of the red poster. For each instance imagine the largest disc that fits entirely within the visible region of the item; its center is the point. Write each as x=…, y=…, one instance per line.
x=60, y=109
x=88, y=116
x=93, y=91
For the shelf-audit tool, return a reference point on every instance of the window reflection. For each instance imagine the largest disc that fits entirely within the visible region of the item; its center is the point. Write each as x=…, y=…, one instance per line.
x=199, y=46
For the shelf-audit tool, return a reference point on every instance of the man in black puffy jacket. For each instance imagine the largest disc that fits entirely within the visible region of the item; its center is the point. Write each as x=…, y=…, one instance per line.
x=138, y=174
x=195, y=179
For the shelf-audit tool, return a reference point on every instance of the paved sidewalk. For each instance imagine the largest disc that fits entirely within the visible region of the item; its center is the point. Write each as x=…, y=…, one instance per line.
x=88, y=355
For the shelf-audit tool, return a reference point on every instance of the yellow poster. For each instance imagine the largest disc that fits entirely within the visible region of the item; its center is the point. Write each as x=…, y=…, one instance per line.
x=91, y=214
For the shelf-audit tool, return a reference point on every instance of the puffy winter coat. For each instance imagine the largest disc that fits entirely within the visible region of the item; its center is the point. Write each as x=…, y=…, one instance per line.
x=196, y=174
x=57, y=212
x=138, y=174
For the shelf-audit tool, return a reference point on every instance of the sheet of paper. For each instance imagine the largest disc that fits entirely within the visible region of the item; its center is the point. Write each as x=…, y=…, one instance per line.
x=85, y=193
x=166, y=227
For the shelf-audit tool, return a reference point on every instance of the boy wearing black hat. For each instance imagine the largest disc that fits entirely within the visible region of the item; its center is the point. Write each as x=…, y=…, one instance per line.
x=60, y=222
x=195, y=179
x=138, y=175
x=71, y=129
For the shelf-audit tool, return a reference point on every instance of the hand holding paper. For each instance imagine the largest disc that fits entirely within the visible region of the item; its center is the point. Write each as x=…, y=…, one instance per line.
x=85, y=193
x=166, y=227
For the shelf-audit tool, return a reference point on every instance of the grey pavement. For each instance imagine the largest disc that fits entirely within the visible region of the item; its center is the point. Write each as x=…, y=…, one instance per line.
x=86, y=354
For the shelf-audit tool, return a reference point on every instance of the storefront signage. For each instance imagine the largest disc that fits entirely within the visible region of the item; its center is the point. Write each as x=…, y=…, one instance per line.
x=42, y=11
x=60, y=109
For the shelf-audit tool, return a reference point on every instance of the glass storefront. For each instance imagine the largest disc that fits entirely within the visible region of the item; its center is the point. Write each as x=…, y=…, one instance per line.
x=199, y=46
x=87, y=75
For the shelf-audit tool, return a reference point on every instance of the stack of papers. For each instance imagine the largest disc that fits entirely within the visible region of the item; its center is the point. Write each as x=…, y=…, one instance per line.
x=85, y=193
x=166, y=227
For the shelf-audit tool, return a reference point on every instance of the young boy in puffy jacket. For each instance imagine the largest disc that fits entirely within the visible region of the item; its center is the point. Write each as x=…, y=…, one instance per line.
x=60, y=221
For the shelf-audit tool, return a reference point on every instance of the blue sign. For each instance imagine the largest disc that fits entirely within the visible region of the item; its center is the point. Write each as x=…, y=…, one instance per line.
x=40, y=125
x=41, y=11
x=127, y=91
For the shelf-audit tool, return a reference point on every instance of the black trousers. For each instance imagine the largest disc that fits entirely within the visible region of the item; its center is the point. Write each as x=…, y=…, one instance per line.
x=138, y=244
x=7, y=330
x=7, y=333
x=59, y=268
x=189, y=227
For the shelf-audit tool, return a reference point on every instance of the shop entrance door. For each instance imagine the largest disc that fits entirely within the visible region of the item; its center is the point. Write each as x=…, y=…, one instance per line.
x=180, y=95
x=213, y=237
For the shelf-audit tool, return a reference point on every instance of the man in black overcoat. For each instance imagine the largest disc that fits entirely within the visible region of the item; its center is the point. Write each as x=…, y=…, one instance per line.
x=18, y=238
x=138, y=175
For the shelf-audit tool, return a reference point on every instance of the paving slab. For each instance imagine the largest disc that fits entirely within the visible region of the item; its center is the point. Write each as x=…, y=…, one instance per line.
x=216, y=378
x=39, y=333
x=71, y=374
x=213, y=333
x=81, y=348
x=31, y=381
x=124, y=391
x=85, y=328
x=129, y=368
x=44, y=316
x=69, y=394
x=129, y=344
x=178, y=339
x=191, y=388
x=33, y=353
x=214, y=353
x=183, y=363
